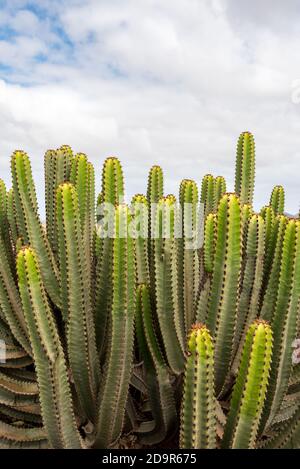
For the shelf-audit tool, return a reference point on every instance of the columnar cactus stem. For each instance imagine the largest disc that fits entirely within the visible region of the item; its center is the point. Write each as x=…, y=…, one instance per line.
x=140, y=208
x=209, y=242
x=166, y=283
x=11, y=217
x=198, y=422
x=11, y=307
x=271, y=280
x=115, y=382
x=29, y=224
x=269, y=216
x=51, y=369
x=250, y=389
x=188, y=261
x=251, y=282
x=277, y=200
x=111, y=194
x=77, y=311
x=220, y=190
x=155, y=190
x=208, y=198
x=221, y=312
x=161, y=393
x=57, y=165
x=245, y=168
x=284, y=320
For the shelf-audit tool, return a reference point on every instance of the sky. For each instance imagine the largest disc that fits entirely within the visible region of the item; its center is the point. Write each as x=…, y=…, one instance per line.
x=170, y=82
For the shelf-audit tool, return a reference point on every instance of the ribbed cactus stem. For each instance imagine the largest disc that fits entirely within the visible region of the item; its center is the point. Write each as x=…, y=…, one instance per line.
x=251, y=281
x=112, y=181
x=166, y=283
x=277, y=200
x=57, y=164
x=161, y=393
x=220, y=190
x=139, y=207
x=284, y=319
x=155, y=190
x=188, y=261
x=209, y=242
x=250, y=388
x=245, y=168
x=198, y=422
x=11, y=216
x=112, y=193
x=271, y=277
x=208, y=198
x=77, y=310
x=29, y=224
x=221, y=312
x=54, y=388
x=117, y=370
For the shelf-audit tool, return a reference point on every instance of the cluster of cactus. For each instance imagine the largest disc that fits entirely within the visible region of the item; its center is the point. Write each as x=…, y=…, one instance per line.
x=163, y=321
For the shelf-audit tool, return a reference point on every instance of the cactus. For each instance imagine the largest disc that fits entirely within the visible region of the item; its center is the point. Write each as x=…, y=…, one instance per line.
x=107, y=329
x=252, y=277
x=284, y=320
x=250, y=389
x=221, y=313
x=157, y=376
x=245, y=168
x=57, y=164
x=115, y=381
x=29, y=224
x=277, y=200
x=112, y=193
x=55, y=393
x=188, y=260
x=140, y=209
x=77, y=309
x=199, y=402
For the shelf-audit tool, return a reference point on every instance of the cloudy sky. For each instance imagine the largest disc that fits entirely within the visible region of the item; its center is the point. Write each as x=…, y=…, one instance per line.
x=172, y=82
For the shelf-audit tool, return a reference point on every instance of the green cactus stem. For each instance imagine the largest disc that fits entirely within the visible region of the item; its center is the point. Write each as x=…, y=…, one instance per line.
x=188, y=261
x=166, y=283
x=284, y=320
x=221, y=313
x=55, y=393
x=252, y=277
x=29, y=224
x=57, y=164
x=198, y=421
x=111, y=194
x=77, y=309
x=245, y=168
x=139, y=205
x=117, y=371
x=161, y=393
x=250, y=388
x=277, y=200
x=208, y=194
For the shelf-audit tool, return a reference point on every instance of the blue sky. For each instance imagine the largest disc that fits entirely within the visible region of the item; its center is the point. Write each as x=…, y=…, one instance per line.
x=170, y=82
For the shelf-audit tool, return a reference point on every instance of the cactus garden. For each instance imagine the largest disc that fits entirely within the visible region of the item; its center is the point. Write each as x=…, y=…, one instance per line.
x=171, y=320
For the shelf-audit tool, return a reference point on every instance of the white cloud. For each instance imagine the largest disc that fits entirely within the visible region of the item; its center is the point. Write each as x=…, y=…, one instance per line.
x=170, y=82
